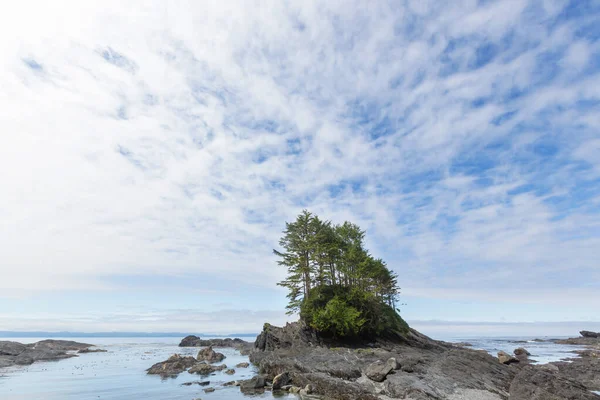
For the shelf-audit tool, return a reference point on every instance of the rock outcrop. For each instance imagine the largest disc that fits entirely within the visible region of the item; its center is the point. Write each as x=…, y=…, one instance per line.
x=538, y=384
x=203, y=368
x=174, y=365
x=413, y=367
x=194, y=341
x=588, y=334
x=209, y=355
x=14, y=353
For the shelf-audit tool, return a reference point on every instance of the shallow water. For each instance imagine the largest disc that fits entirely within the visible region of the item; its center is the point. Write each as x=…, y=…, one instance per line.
x=120, y=374
x=542, y=352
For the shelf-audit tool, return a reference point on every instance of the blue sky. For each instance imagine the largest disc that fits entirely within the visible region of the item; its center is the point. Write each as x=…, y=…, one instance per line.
x=151, y=154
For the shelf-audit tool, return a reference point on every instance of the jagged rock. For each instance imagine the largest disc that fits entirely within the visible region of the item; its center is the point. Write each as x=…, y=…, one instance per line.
x=535, y=384
x=174, y=365
x=203, y=368
x=209, y=355
x=253, y=385
x=194, y=341
x=506, y=358
x=242, y=365
x=230, y=371
x=588, y=334
x=378, y=370
x=281, y=380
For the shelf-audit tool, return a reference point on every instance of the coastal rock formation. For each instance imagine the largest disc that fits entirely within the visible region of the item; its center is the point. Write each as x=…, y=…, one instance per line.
x=14, y=353
x=422, y=369
x=584, y=369
x=506, y=358
x=538, y=384
x=238, y=344
x=588, y=334
x=203, y=368
x=209, y=355
x=174, y=365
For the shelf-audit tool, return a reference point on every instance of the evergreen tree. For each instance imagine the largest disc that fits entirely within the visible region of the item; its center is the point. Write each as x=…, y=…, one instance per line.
x=334, y=283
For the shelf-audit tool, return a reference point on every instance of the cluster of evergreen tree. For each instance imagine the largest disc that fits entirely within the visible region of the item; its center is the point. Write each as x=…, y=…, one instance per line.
x=336, y=286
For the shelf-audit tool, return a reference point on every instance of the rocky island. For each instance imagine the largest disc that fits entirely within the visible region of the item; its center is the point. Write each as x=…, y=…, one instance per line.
x=351, y=343
x=14, y=353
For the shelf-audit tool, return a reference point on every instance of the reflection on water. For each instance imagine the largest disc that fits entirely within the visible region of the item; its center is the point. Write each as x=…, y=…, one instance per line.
x=120, y=374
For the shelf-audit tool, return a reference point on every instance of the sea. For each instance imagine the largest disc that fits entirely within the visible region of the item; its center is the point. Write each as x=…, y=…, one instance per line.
x=119, y=374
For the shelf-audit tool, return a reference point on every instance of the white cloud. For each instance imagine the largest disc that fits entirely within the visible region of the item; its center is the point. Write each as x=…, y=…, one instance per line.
x=133, y=146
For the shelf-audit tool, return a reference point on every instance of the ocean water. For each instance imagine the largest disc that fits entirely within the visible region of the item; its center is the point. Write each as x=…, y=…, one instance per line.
x=120, y=373
x=542, y=352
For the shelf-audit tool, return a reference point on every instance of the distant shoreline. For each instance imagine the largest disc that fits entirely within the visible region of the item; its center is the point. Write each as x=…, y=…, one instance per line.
x=39, y=334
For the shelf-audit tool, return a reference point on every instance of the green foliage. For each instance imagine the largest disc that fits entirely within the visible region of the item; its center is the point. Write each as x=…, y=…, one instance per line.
x=338, y=318
x=334, y=283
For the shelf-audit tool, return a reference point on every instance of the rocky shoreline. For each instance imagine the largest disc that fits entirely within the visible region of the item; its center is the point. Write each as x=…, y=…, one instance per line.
x=15, y=353
x=295, y=359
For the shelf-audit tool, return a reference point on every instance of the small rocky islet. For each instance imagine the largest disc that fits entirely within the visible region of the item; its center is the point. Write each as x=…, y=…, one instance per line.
x=15, y=353
x=295, y=359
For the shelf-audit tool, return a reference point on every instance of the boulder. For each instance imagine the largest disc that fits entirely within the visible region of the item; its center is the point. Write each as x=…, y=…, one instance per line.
x=253, y=385
x=378, y=370
x=189, y=341
x=174, y=365
x=281, y=380
x=506, y=358
x=209, y=355
x=242, y=365
x=230, y=371
x=521, y=351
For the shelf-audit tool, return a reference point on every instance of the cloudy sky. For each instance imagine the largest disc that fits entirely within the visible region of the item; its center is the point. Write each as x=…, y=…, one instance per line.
x=151, y=152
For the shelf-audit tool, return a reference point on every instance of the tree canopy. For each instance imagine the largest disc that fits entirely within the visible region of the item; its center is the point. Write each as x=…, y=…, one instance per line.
x=333, y=281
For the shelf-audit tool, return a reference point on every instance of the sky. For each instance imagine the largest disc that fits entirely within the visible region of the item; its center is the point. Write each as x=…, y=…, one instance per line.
x=151, y=153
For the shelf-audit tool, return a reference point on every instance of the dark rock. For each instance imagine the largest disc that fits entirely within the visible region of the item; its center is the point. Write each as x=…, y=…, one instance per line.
x=588, y=334
x=242, y=365
x=203, y=368
x=238, y=344
x=521, y=351
x=209, y=355
x=209, y=390
x=536, y=384
x=175, y=365
x=200, y=383
x=281, y=380
x=230, y=371
x=82, y=351
x=12, y=353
